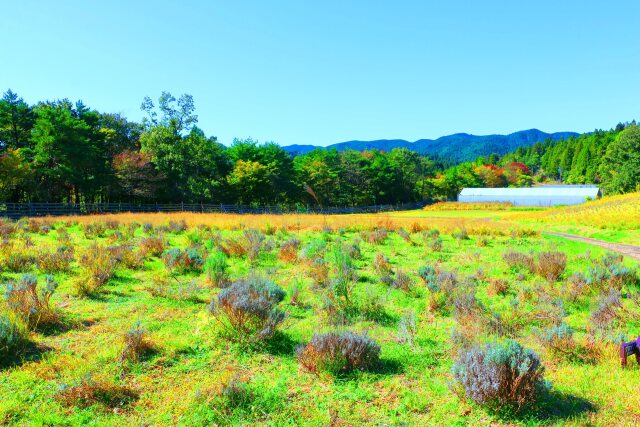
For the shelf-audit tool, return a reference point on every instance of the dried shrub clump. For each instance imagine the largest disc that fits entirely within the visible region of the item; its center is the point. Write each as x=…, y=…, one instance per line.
x=177, y=227
x=551, y=265
x=382, y=267
x=559, y=341
x=500, y=375
x=375, y=237
x=152, y=246
x=402, y=281
x=339, y=353
x=404, y=234
x=248, y=309
x=136, y=344
x=519, y=260
x=183, y=261
x=289, y=250
x=98, y=267
x=89, y=392
x=94, y=229
x=55, y=262
x=30, y=304
x=441, y=286
x=254, y=241
x=498, y=287
x=16, y=259
x=605, y=317
x=126, y=256
x=435, y=244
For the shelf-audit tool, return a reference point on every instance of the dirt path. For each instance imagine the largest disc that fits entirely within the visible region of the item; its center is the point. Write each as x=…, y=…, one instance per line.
x=624, y=249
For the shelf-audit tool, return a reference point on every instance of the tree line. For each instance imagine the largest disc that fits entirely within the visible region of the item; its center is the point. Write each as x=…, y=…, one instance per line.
x=60, y=151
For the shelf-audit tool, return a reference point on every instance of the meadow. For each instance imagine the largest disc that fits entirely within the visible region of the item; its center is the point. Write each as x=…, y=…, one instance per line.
x=408, y=318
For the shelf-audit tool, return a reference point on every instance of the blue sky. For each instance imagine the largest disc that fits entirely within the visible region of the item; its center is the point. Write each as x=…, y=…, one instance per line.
x=302, y=72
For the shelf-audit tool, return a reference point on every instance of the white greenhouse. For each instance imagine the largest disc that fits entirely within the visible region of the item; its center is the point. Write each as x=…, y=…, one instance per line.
x=544, y=195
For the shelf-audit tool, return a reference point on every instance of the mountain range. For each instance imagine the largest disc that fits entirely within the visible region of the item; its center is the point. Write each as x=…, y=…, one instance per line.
x=458, y=147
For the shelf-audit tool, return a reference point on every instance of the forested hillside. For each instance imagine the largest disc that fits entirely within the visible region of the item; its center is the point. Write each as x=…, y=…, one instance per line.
x=59, y=151
x=455, y=148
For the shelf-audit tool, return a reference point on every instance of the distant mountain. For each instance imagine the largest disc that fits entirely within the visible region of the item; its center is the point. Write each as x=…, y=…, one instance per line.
x=457, y=148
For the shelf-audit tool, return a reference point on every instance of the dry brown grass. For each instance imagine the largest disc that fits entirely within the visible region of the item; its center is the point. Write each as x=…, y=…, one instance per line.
x=617, y=212
x=456, y=206
x=297, y=222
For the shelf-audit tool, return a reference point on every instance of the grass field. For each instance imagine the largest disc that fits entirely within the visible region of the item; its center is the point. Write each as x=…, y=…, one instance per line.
x=128, y=336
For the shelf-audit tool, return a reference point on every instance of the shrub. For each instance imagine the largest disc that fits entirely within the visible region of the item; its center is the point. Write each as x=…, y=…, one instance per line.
x=182, y=261
x=404, y=234
x=415, y=227
x=254, y=241
x=248, y=309
x=17, y=260
x=441, y=287
x=551, y=265
x=147, y=228
x=98, y=265
x=232, y=247
x=482, y=241
x=558, y=340
x=377, y=236
x=126, y=256
x=432, y=233
x=604, y=317
x=13, y=339
x=7, y=228
x=236, y=394
x=428, y=274
x=177, y=227
x=516, y=259
x=402, y=281
x=89, y=392
x=498, y=287
x=460, y=234
x=152, y=246
x=319, y=272
x=339, y=353
x=181, y=291
x=609, y=272
x=381, y=264
x=500, y=375
x=289, y=250
x=576, y=286
x=94, y=229
x=344, y=277
x=55, y=262
x=407, y=328
x=216, y=269
x=435, y=244
x=31, y=305
x=352, y=250
x=136, y=344
x=314, y=249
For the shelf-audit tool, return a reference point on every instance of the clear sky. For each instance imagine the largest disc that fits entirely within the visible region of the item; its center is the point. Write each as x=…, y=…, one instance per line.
x=303, y=72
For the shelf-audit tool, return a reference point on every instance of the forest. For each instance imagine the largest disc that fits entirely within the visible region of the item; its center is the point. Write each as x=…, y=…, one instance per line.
x=60, y=151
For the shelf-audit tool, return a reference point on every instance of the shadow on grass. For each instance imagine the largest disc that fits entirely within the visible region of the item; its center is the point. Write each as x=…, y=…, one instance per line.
x=388, y=367
x=561, y=406
x=30, y=352
x=60, y=326
x=554, y=406
x=280, y=344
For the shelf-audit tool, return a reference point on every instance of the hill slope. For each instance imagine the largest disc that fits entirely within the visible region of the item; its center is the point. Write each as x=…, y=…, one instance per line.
x=457, y=147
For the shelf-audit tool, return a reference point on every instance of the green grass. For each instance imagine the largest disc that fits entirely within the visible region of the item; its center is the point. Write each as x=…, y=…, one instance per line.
x=180, y=382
